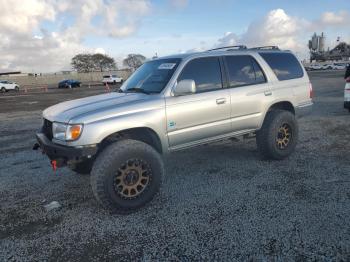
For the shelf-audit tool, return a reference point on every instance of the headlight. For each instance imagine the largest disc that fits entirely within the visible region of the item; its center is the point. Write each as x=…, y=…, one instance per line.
x=66, y=132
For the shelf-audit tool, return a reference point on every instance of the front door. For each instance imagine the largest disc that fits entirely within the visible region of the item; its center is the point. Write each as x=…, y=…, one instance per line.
x=193, y=118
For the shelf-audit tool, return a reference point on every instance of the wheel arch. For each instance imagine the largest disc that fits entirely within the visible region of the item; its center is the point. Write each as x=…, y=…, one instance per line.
x=279, y=105
x=143, y=134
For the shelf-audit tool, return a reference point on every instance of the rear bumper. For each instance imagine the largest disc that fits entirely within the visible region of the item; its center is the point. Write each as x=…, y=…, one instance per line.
x=55, y=151
x=304, y=109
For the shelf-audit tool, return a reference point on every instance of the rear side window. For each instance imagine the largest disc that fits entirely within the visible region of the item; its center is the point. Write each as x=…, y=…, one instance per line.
x=244, y=70
x=285, y=65
x=205, y=72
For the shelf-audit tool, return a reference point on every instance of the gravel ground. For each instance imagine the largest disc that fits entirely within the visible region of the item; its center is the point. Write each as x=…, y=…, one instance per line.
x=218, y=202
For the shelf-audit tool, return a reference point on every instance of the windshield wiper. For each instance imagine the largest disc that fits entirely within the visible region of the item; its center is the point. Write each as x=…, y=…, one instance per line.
x=137, y=90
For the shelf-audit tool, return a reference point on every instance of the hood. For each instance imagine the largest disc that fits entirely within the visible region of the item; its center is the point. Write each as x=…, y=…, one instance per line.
x=64, y=112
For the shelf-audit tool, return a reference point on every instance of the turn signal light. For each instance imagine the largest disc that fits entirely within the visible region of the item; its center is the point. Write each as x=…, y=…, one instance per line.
x=74, y=132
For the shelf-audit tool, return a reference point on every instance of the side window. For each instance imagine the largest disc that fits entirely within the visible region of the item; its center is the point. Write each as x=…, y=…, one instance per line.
x=259, y=74
x=244, y=70
x=284, y=65
x=205, y=72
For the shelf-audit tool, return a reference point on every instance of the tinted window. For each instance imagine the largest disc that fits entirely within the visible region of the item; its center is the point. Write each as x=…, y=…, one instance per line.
x=285, y=65
x=205, y=72
x=259, y=75
x=244, y=70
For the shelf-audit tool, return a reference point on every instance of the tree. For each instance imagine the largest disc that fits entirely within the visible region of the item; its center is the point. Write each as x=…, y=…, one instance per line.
x=82, y=63
x=103, y=62
x=134, y=60
x=93, y=62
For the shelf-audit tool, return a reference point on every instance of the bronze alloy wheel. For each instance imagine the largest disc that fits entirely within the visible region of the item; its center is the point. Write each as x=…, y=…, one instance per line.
x=132, y=178
x=284, y=136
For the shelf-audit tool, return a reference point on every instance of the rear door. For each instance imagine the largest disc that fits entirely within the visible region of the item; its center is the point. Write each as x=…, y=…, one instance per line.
x=204, y=115
x=249, y=91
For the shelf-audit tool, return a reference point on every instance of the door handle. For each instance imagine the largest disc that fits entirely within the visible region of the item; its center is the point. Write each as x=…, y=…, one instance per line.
x=220, y=101
x=267, y=93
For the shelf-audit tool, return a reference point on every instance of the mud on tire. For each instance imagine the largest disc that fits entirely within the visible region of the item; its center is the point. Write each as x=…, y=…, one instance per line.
x=126, y=175
x=278, y=136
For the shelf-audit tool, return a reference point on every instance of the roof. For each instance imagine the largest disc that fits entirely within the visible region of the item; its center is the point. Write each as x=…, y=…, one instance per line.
x=225, y=50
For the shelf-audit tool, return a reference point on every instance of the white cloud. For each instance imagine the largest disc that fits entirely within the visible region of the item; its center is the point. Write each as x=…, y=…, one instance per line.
x=335, y=19
x=26, y=46
x=100, y=50
x=278, y=28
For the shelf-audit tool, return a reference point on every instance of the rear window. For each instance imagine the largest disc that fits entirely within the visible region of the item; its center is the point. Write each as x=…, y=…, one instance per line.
x=285, y=65
x=106, y=76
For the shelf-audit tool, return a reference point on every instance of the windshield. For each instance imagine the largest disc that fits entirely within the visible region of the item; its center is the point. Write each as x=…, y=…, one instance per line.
x=152, y=76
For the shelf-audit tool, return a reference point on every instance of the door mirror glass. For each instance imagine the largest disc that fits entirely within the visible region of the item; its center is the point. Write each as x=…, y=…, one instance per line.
x=185, y=87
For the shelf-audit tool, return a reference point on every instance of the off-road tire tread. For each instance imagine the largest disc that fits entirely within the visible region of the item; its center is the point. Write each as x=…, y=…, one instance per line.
x=265, y=137
x=98, y=176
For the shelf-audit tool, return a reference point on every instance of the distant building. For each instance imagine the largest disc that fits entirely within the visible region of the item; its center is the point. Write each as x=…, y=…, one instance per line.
x=318, y=53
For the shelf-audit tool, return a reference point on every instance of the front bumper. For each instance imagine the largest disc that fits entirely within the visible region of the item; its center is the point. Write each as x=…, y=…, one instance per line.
x=55, y=151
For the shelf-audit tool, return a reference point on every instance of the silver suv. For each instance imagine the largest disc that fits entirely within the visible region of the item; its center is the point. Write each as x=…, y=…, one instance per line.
x=173, y=103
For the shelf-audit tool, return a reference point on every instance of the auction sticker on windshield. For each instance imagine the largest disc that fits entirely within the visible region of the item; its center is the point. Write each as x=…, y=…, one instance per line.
x=167, y=66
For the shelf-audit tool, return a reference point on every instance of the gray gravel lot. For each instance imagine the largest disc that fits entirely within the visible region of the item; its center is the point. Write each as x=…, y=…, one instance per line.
x=218, y=202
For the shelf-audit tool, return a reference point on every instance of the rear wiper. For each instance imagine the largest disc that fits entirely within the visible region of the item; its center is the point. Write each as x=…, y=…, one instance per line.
x=137, y=90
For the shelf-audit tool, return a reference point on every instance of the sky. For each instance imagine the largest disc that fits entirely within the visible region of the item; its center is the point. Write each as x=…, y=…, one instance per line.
x=43, y=35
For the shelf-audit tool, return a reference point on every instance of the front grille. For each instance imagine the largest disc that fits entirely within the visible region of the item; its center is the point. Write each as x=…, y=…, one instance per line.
x=47, y=129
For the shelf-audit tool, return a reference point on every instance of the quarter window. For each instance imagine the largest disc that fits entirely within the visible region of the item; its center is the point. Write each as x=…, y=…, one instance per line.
x=205, y=72
x=284, y=65
x=244, y=70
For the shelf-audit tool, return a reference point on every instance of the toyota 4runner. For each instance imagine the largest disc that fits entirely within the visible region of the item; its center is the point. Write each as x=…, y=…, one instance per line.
x=173, y=103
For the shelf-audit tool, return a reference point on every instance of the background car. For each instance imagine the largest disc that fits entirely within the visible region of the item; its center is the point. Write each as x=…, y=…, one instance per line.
x=111, y=79
x=337, y=66
x=5, y=86
x=69, y=83
x=327, y=66
x=315, y=67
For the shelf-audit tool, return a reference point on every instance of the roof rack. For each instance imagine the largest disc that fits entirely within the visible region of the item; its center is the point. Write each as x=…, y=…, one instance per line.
x=268, y=47
x=230, y=48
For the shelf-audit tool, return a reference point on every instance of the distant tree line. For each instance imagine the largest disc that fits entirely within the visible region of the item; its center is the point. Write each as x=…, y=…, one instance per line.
x=85, y=63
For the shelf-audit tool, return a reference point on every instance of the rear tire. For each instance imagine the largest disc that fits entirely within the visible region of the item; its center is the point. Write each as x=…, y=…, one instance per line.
x=278, y=136
x=17, y=89
x=3, y=90
x=126, y=175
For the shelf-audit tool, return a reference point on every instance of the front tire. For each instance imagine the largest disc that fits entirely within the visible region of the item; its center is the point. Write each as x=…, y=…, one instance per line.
x=278, y=136
x=126, y=175
x=3, y=90
x=17, y=89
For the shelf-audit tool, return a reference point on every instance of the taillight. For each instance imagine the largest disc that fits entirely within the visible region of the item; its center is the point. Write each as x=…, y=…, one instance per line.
x=311, y=90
